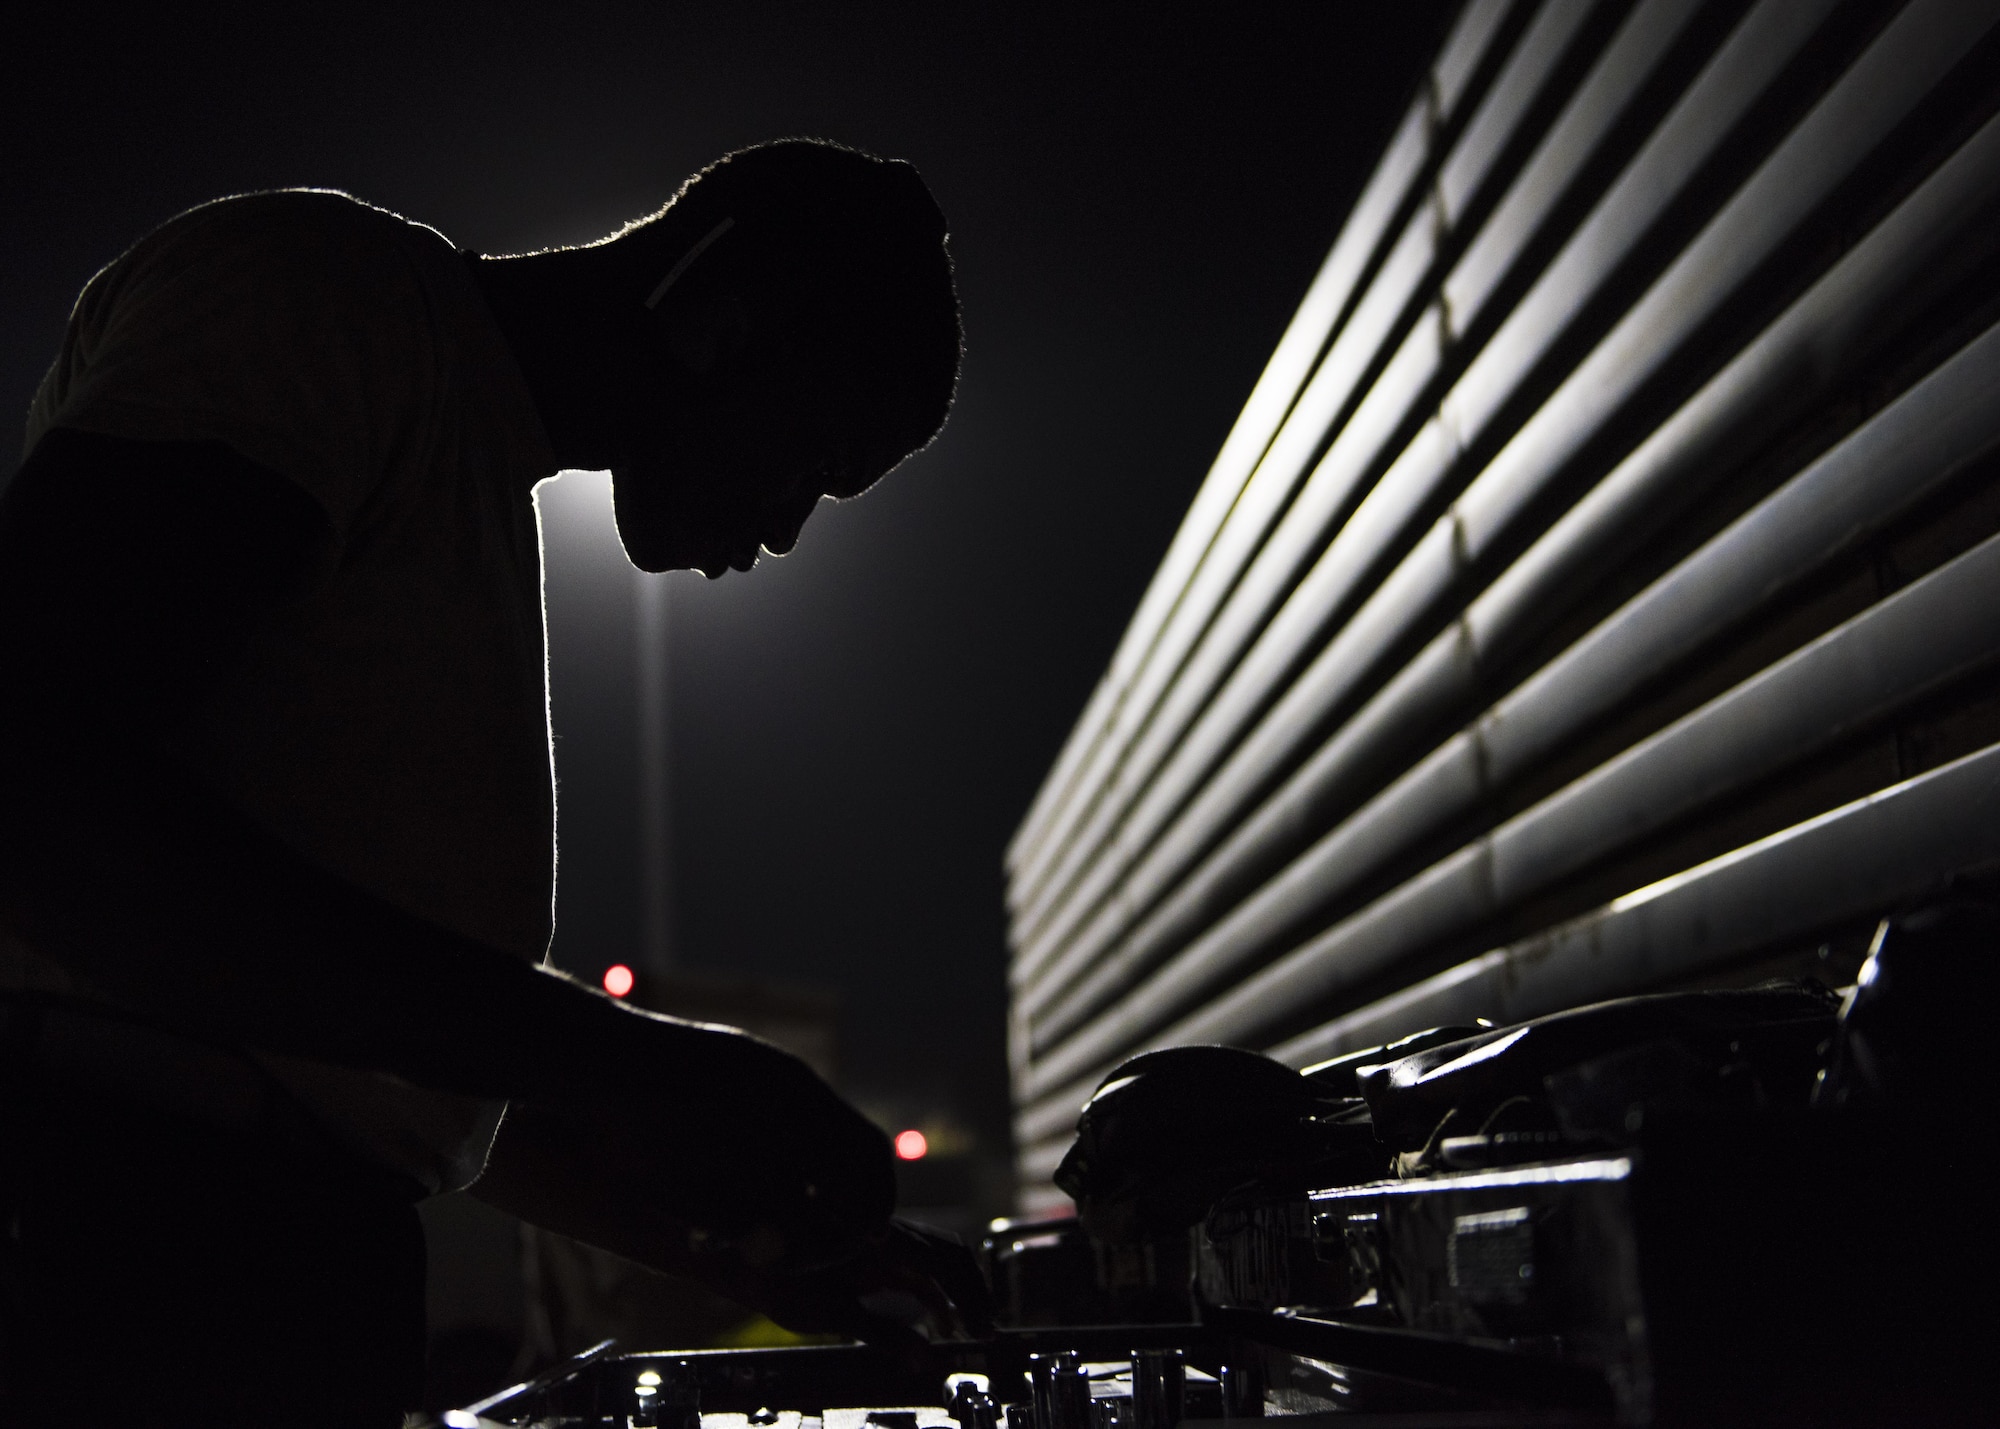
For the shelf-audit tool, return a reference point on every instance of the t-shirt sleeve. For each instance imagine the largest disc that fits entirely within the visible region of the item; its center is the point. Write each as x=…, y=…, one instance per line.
x=293, y=327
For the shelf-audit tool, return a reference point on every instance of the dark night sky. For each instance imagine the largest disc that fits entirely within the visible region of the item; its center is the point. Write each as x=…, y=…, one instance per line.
x=1138, y=196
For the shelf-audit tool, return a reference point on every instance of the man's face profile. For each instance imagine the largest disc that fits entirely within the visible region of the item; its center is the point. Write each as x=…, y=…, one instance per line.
x=734, y=459
x=785, y=330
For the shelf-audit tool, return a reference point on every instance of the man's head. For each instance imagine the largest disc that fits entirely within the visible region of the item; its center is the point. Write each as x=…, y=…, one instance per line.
x=785, y=329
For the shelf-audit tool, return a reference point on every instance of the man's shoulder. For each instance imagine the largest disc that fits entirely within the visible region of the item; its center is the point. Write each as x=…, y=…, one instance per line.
x=302, y=210
x=288, y=268
x=326, y=228
x=306, y=329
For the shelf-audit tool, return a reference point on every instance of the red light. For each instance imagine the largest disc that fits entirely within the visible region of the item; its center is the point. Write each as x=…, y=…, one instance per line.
x=618, y=981
x=911, y=1145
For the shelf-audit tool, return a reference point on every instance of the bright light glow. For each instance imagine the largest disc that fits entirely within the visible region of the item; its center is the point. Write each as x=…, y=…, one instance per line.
x=650, y=1378
x=618, y=980
x=911, y=1145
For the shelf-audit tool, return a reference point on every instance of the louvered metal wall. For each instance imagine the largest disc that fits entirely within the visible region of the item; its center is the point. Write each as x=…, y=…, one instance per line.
x=1600, y=589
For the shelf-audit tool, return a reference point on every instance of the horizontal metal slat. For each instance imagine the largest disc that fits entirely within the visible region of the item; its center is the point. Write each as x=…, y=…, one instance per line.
x=1394, y=288
x=1277, y=388
x=1797, y=355
x=1864, y=857
x=1600, y=104
x=1800, y=352
x=1881, y=469
x=1895, y=73
x=1472, y=36
x=1754, y=53
x=1270, y=400
x=1686, y=138
x=1692, y=288
x=1859, y=859
x=1887, y=466
x=1572, y=141
x=1263, y=498
x=1891, y=654
x=1476, y=156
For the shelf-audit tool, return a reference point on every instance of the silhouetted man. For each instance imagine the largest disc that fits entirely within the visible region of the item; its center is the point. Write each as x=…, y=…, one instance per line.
x=276, y=818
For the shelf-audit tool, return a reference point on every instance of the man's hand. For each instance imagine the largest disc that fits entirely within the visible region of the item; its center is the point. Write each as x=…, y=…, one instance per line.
x=713, y=1155
x=738, y=1144
x=907, y=1285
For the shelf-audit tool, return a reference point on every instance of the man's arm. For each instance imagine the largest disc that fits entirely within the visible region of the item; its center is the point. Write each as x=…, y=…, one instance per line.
x=134, y=574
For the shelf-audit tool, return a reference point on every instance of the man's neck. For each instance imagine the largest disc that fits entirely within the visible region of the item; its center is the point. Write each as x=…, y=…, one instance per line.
x=564, y=348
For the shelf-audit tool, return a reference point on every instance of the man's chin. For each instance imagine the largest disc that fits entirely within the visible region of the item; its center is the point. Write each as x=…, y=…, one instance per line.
x=646, y=528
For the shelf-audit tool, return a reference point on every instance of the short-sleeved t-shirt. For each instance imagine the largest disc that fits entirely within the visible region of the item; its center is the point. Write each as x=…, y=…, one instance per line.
x=393, y=729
